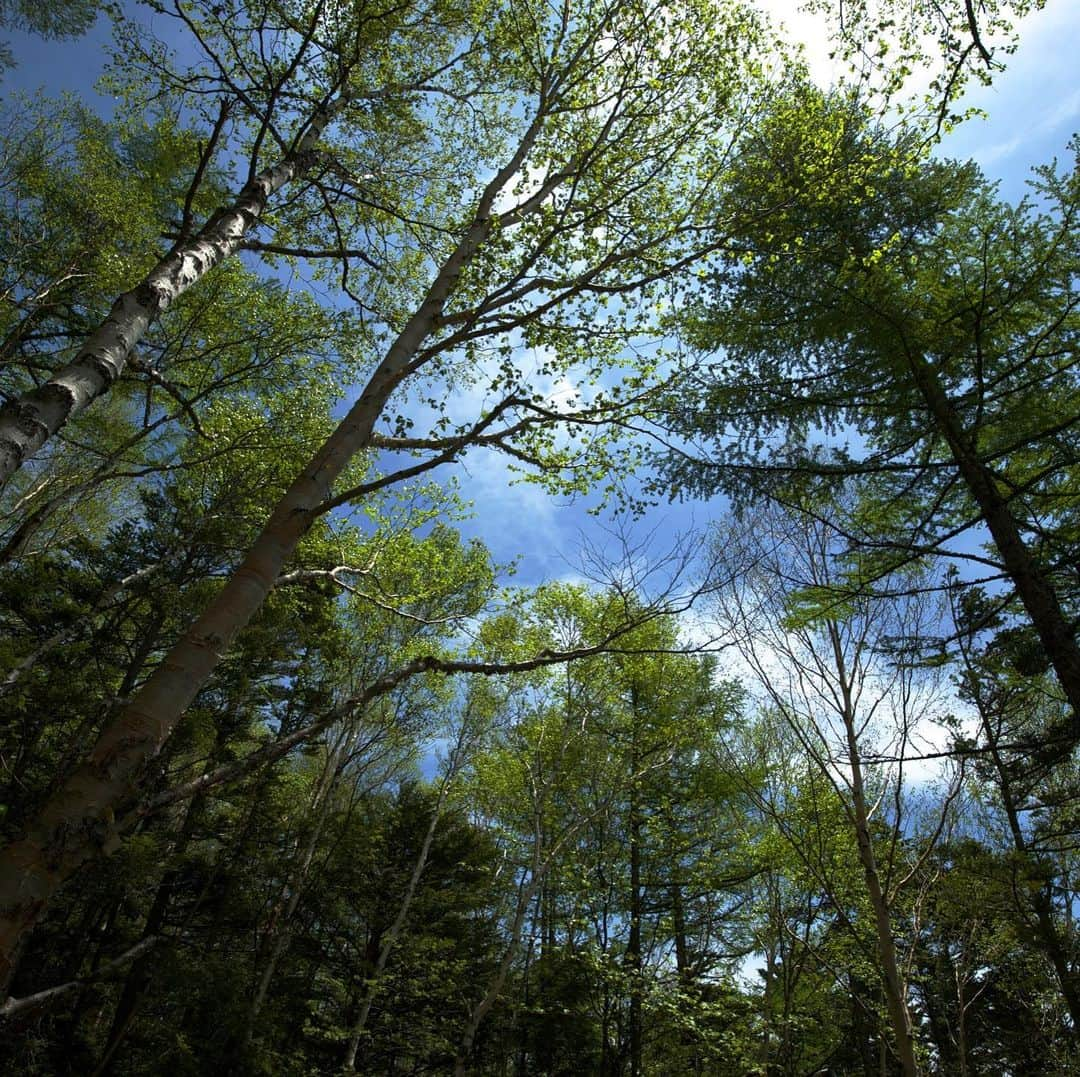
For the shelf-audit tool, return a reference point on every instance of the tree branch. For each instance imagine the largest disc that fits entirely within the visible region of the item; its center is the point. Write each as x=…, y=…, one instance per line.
x=13, y=1007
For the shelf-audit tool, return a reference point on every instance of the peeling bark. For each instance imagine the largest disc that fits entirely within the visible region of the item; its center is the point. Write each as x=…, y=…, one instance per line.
x=78, y=822
x=28, y=422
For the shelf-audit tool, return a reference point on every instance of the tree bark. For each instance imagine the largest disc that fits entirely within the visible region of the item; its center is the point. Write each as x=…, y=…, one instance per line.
x=139, y=975
x=1035, y=591
x=482, y=1008
x=539, y=866
x=961, y=1022
x=1045, y=930
x=65, y=634
x=14, y=1008
x=29, y=421
x=77, y=823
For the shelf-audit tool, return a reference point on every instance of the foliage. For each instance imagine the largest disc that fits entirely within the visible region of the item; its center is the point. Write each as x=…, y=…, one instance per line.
x=334, y=796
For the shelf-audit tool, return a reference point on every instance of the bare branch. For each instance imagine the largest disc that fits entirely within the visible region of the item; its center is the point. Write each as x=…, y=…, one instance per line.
x=14, y=1007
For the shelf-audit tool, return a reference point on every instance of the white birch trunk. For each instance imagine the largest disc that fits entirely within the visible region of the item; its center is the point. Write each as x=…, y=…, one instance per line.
x=77, y=823
x=28, y=422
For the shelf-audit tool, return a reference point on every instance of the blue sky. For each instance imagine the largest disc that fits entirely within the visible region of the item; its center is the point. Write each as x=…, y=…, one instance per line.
x=1033, y=108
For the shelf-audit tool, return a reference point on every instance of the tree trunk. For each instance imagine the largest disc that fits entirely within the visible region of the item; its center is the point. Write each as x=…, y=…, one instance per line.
x=139, y=975
x=633, y=947
x=29, y=421
x=68, y=631
x=392, y=933
x=892, y=983
x=1046, y=933
x=483, y=1007
x=633, y=944
x=678, y=930
x=279, y=928
x=77, y=823
x=961, y=1021
x=1035, y=591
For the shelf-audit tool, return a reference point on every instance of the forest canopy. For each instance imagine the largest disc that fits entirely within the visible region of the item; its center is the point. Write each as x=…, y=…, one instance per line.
x=297, y=777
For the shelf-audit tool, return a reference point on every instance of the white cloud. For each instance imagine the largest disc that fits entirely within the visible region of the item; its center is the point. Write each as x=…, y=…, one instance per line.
x=811, y=32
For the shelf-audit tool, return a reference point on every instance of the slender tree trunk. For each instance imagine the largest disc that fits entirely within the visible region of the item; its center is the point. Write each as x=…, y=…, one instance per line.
x=57, y=638
x=961, y=1021
x=77, y=1008
x=281, y=932
x=77, y=823
x=538, y=870
x=685, y=973
x=547, y=920
x=633, y=944
x=30, y=523
x=390, y=938
x=678, y=930
x=892, y=982
x=14, y=1008
x=28, y=422
x=522, y=1055
x=483, y=1007
x=1049, y=938
x=279, y=928
x=605, y=1033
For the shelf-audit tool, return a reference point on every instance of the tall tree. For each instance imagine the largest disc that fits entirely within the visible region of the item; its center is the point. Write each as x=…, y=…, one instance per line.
x=592, y=181
x=1004, y=677
x=844, y=674
x=902, y=324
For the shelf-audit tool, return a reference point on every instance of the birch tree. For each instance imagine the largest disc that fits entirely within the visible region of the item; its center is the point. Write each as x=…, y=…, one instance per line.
x=268, y=81
x=605, y=132
x=80, y=205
